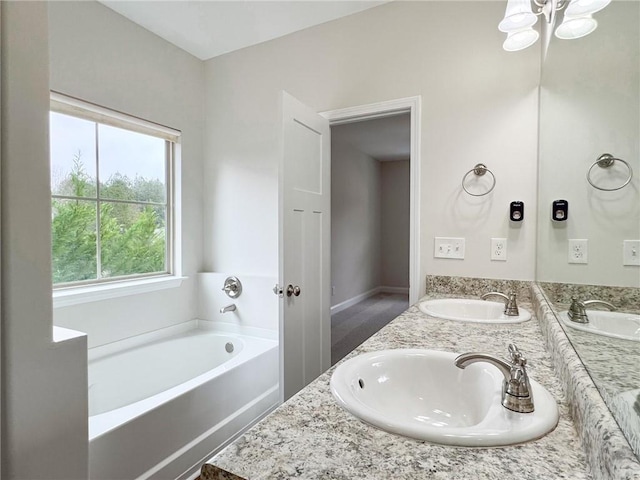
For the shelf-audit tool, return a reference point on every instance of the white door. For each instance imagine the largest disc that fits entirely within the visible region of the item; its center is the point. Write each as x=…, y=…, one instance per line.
x=305, y=322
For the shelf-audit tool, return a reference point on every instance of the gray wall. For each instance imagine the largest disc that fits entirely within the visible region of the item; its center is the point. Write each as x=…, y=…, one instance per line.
x=44, y=382
x=355, y=222
x=479, y=104
x=394, y=232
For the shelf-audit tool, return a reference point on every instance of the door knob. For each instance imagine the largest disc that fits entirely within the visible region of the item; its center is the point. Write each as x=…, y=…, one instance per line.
x=291, y=290
x=278, y=290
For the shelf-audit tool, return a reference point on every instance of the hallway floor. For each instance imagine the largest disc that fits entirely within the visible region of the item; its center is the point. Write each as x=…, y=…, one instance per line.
x=352, y=326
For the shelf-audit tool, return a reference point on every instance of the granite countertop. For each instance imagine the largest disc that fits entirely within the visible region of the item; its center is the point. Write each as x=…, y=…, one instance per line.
x=310, y=436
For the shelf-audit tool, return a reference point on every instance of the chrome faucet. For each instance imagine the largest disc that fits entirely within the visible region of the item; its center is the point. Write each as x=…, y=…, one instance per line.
x=510, y=304
x=578, y=310
x=229, y=308
x=516, y=389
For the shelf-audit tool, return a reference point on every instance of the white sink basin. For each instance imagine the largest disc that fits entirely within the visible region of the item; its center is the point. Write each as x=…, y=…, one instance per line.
x=609, y=324
x=422, y=394
x=469, y=310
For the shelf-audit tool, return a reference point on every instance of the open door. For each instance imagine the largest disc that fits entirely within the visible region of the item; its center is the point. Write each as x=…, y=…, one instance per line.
x=304, y=254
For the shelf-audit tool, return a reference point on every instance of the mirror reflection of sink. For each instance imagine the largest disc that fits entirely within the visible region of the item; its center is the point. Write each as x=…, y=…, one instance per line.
x=470, y=310
x=610, y=324
x=423, y=395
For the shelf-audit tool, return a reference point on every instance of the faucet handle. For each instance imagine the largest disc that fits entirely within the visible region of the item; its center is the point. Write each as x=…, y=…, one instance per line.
x=516, y=356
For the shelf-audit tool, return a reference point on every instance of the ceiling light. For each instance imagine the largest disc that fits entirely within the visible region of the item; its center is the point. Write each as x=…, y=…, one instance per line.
x=576, y=27
x=521, y=15
x=518, y=15
x=520, y=39
x=578, y=8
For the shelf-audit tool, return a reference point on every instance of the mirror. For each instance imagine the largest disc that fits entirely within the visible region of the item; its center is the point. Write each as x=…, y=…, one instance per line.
x=590, y=105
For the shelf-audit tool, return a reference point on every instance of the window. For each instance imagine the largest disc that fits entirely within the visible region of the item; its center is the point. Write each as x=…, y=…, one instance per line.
x=111, y=184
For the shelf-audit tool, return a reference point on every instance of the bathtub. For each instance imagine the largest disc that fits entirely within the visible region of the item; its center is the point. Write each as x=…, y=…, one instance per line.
x=161, y=403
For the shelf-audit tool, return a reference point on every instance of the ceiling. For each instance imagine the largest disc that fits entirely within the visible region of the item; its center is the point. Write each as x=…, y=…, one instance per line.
x=210, y=28
x=384, y=139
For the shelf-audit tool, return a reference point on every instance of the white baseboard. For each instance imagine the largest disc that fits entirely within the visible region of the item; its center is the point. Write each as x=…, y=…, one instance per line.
x=358, y=298
x=404, y=290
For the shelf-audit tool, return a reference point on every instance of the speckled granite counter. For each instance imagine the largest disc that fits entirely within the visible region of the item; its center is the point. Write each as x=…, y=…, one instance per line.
x=311, y=437
x=609, y=452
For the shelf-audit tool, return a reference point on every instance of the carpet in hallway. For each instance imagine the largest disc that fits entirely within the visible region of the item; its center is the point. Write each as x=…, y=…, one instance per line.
x=352, y=326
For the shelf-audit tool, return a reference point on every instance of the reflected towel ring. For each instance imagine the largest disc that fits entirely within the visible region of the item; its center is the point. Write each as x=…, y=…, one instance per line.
x=479, y=170
x=605, y=161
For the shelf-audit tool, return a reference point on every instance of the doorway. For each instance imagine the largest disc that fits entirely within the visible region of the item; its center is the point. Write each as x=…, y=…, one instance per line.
x=370, y=204
x=374, y=191
x=304, y=282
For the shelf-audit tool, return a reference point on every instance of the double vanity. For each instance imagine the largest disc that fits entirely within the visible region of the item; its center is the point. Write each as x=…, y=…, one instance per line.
x=377, y=415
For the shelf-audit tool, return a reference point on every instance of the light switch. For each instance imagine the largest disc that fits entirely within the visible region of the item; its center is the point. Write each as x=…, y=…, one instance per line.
x=631, y=252
x=445, y=247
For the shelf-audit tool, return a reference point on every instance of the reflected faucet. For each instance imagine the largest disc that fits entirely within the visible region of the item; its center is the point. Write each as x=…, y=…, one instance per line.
x=229, y=308
x=516, y=389
x=578, y=310
x=510, y=304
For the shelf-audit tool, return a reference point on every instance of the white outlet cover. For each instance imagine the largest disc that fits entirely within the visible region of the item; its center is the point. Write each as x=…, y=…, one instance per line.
x=499, y=249
x=578, y=251
x=631, y=252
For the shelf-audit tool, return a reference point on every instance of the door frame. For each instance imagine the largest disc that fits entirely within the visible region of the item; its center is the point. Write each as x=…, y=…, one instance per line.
x=411, y=105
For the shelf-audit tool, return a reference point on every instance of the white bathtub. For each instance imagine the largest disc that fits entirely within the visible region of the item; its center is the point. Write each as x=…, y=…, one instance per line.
x=161, y=403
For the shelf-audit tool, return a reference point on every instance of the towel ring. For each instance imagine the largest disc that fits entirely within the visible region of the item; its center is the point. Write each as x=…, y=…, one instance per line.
x=605, y=161
x=479, y=170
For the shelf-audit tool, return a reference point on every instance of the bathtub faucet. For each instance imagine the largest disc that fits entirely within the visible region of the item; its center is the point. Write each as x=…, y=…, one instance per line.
x=228, y=308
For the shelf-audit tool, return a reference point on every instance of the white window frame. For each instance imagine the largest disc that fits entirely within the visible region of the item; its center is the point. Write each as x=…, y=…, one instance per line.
x=103, y=288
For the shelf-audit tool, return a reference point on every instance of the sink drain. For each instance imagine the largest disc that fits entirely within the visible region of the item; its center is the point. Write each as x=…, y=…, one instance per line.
x=361, y=383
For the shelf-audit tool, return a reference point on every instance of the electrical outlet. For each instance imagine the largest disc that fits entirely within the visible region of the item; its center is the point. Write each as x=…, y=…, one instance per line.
x=444, y=247
x=578, y=251
x=333, y=290
x=499, y=249
x=631, y=252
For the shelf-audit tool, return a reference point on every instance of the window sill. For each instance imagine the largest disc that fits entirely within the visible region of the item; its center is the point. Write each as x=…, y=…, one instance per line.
x=94, y=293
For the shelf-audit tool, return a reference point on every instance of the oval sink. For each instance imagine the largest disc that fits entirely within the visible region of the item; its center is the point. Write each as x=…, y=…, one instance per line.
x=610, y=324
x=470, y=310
x=422, y=394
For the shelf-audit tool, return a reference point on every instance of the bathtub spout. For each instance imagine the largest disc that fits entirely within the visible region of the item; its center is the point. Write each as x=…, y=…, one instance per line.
x=228, y=308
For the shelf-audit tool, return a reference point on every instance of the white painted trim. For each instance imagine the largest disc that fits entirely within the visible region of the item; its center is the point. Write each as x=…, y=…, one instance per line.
x=384, y=289
x=413, y=106
x=68, y=105
x=363, y=296
x=352, y=301
x=94, y=293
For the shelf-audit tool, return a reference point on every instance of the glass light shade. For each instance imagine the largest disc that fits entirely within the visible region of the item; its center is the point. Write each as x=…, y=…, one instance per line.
x=520, y=39
x=579, y=8
x=575, y=27
x=517, y=16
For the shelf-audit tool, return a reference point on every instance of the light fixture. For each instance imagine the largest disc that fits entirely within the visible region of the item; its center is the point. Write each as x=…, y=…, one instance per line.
x=520, y=39
x=578, y=8
x=521, y=15
x=575, y=27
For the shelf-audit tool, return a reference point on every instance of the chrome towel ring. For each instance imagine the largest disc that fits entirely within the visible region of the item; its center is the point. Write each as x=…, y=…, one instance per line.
x=605, y=161
x=480, y=169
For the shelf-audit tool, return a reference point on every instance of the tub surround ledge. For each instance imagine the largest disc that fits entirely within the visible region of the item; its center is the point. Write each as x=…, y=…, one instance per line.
x=310, y=436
